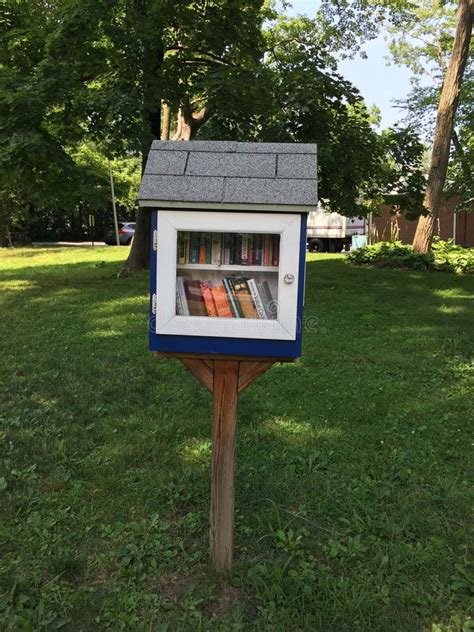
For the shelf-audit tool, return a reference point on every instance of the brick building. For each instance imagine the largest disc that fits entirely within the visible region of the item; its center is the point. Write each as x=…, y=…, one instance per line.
x=387, y=221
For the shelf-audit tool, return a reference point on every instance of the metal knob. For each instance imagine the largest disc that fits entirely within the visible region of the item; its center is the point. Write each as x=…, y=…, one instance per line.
x=289, y=278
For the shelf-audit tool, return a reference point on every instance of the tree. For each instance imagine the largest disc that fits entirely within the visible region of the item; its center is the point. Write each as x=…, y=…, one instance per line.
x=305, y=100
x=214, y=68
x=101, y=70
x=422, y=39
x=444, y=129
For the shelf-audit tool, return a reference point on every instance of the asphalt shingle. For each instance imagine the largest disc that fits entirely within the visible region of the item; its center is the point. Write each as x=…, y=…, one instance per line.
x=228, y=172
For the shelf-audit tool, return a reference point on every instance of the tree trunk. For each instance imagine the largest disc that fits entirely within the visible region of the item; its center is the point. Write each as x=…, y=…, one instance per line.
x=5, y=234
x=444, y=127
x=139, y=256
x=165, y=121
x=189, y=124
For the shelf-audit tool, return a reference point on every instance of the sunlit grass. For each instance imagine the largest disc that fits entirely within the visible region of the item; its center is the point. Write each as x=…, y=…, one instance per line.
x=353, y=486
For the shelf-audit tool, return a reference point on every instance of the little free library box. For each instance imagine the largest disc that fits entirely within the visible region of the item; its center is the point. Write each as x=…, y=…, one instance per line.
x=229, y=244
x=227, y=277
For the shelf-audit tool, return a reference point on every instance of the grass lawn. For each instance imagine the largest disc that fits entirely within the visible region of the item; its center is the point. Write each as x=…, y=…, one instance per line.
x=353, y=491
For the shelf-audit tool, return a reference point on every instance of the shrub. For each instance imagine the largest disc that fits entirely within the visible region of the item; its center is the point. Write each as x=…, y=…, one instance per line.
x=393, y=254
x=453, y=258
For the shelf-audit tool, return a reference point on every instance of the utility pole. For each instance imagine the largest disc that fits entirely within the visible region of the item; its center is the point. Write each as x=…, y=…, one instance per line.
x=113, y=205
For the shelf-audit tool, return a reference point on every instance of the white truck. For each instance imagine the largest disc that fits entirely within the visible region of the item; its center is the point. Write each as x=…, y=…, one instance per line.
x=331, y=232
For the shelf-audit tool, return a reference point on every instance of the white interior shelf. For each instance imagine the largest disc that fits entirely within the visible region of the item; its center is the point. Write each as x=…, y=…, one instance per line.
x=239, y=268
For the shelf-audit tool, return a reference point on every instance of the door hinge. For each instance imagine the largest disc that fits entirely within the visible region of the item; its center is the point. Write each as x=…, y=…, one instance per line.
x=155, y=240
x=153, y=304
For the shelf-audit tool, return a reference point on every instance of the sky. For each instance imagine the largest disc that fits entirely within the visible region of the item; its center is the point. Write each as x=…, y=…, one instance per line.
x=378, y=83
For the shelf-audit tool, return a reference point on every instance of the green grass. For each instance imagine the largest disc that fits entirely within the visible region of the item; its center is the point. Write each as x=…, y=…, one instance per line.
x=353, y=491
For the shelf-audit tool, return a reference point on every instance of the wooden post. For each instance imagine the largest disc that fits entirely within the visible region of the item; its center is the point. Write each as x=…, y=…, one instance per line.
x=225, y=377
x=221, y=532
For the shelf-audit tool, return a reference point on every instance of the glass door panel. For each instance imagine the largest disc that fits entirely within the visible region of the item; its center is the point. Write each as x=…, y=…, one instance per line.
x=227, y=274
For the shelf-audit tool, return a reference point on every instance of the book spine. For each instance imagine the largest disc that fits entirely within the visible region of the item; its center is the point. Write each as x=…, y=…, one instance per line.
x=232, y=299
x=179, y=305
x=208, y=299
x=208, y=247
x=187, y=238
x=216, y=250
x=222, y=301
x=195, y=298
x=237, y=248
x=181, y=248
x=256, y=298
x=245, y=298
x=232, y=260
x=258, y=258
x=182, y=294
x=194, y=248
x=240, y=313
x=266, y=250
x=244, y=252
x=226, y=249
x=267, y=300
x=270, y=250
x=251, y=250
x=276, y=250
x=202, y=247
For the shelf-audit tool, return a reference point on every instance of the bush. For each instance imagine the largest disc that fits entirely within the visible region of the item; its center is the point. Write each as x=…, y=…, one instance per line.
x=453, y=258
x=393, y=254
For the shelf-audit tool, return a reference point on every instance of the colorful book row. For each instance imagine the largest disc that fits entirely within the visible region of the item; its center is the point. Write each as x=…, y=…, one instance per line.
x=245, y=249
x=235, y=297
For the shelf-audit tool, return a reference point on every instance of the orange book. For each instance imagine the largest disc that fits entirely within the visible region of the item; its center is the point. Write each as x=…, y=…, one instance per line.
x=245, y=299
x=202, y=248
x=221, y=301
x=208, y=299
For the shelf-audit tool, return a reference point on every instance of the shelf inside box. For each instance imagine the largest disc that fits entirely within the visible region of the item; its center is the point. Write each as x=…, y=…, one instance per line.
x=237, y=268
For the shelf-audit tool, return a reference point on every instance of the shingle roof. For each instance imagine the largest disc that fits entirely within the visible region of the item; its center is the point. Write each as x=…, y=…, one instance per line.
x=227, y=172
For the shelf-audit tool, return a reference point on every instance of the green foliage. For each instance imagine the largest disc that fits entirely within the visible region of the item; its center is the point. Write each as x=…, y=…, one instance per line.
x=447, y=256
x=393, y=254
x=353, y=499
x=421, y=38
x=303, y=99
x=389, y=254
x=77, y=74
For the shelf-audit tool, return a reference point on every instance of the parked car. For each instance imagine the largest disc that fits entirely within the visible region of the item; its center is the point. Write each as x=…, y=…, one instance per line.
x=126, y=233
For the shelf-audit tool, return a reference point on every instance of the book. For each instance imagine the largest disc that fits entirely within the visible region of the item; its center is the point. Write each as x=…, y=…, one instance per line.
x=237, y=247
x=202, y=247
x=194, y=298
x=275, y=250
x=250, y=250
x=181, y=248
x=179, y=305
x=269, y=303
x=244, y=251
x=208, y=247
x=221, y=301
x=226, y=248
x=244, y=297
x=267, y=251
x=208, y=299
x=187, y=238
x=258, y=250
x=234, y=303
x=181, y=301
x=232, y=237
x=216, y=249
x=194, y=248
x=257, y=301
